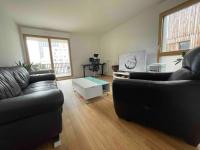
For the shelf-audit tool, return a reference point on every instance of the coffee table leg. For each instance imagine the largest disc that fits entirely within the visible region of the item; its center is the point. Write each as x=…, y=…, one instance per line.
x=84, y=71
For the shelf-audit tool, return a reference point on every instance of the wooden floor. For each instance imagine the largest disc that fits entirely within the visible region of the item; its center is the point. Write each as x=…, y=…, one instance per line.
x=95, y=126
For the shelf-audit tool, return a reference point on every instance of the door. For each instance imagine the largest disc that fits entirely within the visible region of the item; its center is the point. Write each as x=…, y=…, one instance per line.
x=49, y=53
x=61, y=57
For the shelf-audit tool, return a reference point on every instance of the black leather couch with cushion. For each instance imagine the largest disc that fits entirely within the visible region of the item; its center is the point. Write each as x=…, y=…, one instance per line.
x=166, y=101
x=30, y=108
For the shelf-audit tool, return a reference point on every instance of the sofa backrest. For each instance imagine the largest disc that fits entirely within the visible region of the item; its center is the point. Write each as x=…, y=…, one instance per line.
x=191, y=61
x=21, y=75
x=190, y=68
x=8, y=85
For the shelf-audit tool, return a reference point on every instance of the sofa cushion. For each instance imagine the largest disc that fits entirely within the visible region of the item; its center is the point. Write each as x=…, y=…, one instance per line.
x=8, y=85
x=40, y=86
x=21, y=76
x=181, y=74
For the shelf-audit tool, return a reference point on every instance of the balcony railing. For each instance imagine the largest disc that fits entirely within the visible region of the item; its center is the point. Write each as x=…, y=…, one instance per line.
x=60, y=69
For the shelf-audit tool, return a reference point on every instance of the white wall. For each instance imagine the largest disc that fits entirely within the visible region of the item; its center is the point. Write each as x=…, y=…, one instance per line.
x=10, y=48
x=82, y=46
x=139, y=33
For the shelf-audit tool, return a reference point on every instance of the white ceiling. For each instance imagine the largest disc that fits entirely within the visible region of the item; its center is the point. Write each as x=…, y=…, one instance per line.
x=88, y=16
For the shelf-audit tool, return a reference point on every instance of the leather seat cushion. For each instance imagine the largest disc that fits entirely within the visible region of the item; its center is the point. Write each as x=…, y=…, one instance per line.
x=8, y=85
x=21, y=75
x=40, y=86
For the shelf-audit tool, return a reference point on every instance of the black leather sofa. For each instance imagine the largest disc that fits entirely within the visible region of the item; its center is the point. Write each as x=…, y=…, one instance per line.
x=169, y=102
x=30, y=108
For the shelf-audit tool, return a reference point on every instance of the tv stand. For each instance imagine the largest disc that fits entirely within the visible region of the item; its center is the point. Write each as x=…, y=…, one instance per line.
x=120, y=75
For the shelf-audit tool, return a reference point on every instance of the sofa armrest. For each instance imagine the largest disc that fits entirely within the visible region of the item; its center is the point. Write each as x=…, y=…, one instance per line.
x=42, y=77
x=20, y=107
x=42, y=71
x=150, y=76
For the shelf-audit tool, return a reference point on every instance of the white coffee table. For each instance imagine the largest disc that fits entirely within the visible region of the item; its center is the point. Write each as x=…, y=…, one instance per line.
x=90, y=87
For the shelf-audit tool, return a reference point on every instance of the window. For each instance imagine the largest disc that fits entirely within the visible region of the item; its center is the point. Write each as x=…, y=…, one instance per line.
x=38, y=53
x=49, y=53
x=184, y=45
x=179, y=29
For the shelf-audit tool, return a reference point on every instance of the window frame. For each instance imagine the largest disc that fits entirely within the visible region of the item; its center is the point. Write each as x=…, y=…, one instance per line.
x=161, y=23
x=50, y=51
